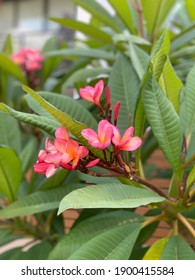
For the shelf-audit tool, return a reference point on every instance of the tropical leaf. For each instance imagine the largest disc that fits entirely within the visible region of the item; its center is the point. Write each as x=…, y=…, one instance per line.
x=113, y=195
x=171, y=84
x=123, y=10
x=47, y=124
x=27, y=155
x=155, y=12
x=65, y=104
x=10, y=132
x=183, y=38
x=10, y=173
x=8, y=46
x=177, y=249
x=10, y=67
x=87, y=29
x=37, y=202
x=155, y=251
x=164, y=121
x=191, y=177
x=89, y=229
x=124, y=86
x=190, y=5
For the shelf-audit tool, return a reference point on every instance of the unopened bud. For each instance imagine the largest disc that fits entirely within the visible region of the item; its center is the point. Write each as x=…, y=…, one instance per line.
x=116, y=111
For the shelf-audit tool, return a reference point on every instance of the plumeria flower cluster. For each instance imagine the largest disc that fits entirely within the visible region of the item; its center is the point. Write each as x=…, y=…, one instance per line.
x=67, y=153
x=30, y=61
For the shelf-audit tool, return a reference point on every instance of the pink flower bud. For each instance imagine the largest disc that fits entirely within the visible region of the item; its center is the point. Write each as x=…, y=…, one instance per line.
x=116, y=111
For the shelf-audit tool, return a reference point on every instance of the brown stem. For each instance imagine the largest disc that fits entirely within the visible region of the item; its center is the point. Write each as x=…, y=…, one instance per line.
x=189, y=162
x=184, y=221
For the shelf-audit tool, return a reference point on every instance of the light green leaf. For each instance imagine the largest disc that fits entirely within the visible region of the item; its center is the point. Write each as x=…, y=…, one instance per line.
x=159, y=55
x=9, y=132
x=47, y=124
x=85, y=28
x=164, y=121
x=37, y=202
x=65, y=104
x=177, y=249
x=188, y=116
x=10, y=67
x=74, y=127
x=7, y=46
x=171, y=84
x=122, y=9
x=10, y=173
x=84, y=75
x=133, y=39
x=98, y=12
x=190, y=4
x=155, y=12
x=124, y=86
x=89, y=229
x=191, y=177
x=113, y=195
x=183, y=37
x=155, y=251
x=82, y=52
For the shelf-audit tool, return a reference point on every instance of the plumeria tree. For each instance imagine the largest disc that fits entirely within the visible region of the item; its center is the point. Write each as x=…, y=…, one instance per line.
x=91, y=152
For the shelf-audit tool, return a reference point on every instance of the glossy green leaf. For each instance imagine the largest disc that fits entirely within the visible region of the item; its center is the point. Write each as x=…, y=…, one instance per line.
x=98, y=11
x=10, y=67
x=9, y=132
x=84, y=75
x=123, y=10
x=87, y=29
x=10, y=173
x=37, y=202
x=55, y=180
x=171, y=84
x=124, y=86
x=155, y=12
x=91, y=228
x=177, y=249
x=113, y=195
x=47, y=124
x=155, y=251
x=65, y=104
x=164, y=121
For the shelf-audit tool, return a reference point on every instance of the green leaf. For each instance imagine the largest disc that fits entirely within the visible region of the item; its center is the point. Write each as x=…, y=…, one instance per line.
x=82, y=52
x=54, y=181
x=10, y=132
x=190, y=5
x=47, y=124
x=65, y=104
x=159, y=55
x=10, y=67
x=177, y=249
x=7, y=46
x=74, y=127
x=84, y=75
x=91, y=228
x=171, y=84
x=115, y=244
x=189, y=103
x=191, y=177
x=84, y=28
x=27, y=155
x=164, y=121
x=122, y=9
x=98, y=12
x=6, y=236
x=37, y=202
x=124, y=86
x=183, y=38
x=10, y=173
x=113, y=195
x=155, y=251
x=155, y=12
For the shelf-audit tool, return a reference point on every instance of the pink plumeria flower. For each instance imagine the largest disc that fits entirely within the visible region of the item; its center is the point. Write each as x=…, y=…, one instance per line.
x=71, y=153
x=93, y=94
x=48, y=160
x=102, y=139
x=127, y=142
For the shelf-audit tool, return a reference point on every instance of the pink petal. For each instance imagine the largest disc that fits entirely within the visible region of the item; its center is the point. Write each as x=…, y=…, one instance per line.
x=116, y=111
x=127, y=135
x=89, y=134
x=116, y=139
x=98, y=92
x=53, y=158
x=66, y=158
x=60, y=145
x=104, y=130
x=50, y=170
x=82, y=152
x=66, y=166
x=85, y=94
x=50, y=148
x=41, y=156
x=108, y=95
x=132, y=145
x=62, y=133
x=93, y=163
x=75, y=162
x=41, y=167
